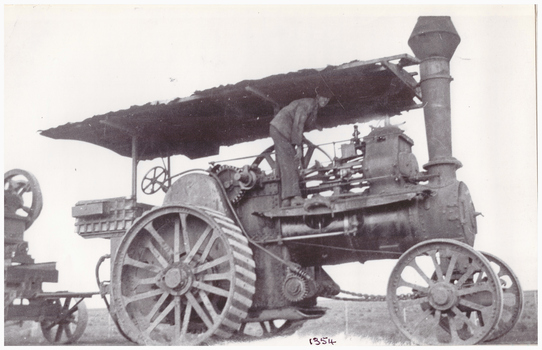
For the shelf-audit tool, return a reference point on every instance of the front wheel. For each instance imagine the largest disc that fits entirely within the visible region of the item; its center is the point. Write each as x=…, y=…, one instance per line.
x=443, y=292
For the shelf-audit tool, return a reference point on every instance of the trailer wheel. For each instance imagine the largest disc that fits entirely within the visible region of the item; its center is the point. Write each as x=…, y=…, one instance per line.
x=460, y=305
x=512, y=297
x=181, y=276
x=69, y=325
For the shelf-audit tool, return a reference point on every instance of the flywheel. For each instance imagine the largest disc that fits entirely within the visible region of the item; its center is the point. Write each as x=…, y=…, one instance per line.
x=181, y=276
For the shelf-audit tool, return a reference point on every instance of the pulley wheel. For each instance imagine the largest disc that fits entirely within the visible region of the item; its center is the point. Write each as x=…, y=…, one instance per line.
x=181, y=276
x=443, y=292
x=22, y=195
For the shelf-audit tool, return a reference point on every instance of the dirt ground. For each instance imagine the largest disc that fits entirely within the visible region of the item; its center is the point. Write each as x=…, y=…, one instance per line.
x=346, y=322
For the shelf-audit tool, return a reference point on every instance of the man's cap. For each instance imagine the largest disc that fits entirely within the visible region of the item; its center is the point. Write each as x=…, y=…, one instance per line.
x=323, y=91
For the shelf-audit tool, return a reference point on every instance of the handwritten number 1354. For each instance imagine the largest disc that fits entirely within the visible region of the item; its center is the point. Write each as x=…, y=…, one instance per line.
x=321, y=341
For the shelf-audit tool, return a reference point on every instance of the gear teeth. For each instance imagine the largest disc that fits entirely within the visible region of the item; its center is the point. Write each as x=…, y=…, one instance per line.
x=240, y=193
x=295, y=288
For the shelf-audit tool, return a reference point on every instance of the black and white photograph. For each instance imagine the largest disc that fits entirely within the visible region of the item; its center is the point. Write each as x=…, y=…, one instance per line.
x=304, y=174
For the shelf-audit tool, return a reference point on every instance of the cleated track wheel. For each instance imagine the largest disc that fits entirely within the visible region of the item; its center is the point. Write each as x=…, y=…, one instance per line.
x=512, y=297
x=181, y=276
x=70, y=323
x=443, y=292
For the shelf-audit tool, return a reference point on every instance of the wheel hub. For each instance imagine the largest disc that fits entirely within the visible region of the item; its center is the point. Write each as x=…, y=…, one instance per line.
x=177, y=279
x=442, y=296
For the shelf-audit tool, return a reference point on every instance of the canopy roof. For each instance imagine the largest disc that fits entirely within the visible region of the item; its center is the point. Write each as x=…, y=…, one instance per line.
x=198, y=125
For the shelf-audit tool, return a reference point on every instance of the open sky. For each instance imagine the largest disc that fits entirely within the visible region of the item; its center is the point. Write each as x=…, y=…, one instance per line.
x=67, y=63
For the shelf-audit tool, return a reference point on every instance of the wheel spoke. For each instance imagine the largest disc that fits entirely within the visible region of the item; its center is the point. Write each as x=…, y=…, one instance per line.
x=208, y=305
x=177, y=317
x=177, y=240
x=150, y=229
x=421, y=318
x=470, y=271
x=211, y=289
x=156, y=254
x=471, y=305
x=434, y=325
x=156, y=307
x=58, y=334
x=462, y=317
x=481, y=287
x=145, y=295
x=217, y=276
x=192, y=300
x=186, y=320
x=270, y=160
x=198, y=244
x=438, y=268
x=184, y=230
x=450, y=270
x=145, y=281
x=422, y=274
x=159, y=318
x=150, y=183
x=416, y=287
x=211, y=264
x=208, y=246
x=141, y=265
x=453, y=331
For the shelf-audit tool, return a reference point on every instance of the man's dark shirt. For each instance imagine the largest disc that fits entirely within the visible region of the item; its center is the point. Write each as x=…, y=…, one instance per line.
x=292, y=119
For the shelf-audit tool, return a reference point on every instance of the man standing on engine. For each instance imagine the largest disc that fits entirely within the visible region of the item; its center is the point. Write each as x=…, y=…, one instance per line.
x=286, y=130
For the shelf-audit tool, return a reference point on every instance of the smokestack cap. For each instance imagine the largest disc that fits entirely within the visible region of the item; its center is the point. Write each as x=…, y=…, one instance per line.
x=434, y=36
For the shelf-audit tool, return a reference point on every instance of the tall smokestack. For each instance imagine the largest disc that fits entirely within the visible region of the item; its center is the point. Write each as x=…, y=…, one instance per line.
x=434, y=40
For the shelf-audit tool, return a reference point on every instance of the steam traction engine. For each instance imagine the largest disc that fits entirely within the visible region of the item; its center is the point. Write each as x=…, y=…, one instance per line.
x=220, y=255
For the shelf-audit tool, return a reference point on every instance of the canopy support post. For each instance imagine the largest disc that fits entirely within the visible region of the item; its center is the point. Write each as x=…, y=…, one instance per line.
x=134, y=167
x=168, y=172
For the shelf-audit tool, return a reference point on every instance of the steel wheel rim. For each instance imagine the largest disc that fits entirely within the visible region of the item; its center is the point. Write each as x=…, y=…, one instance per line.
x=183, y=294
x=512, y=297
x=458, y=307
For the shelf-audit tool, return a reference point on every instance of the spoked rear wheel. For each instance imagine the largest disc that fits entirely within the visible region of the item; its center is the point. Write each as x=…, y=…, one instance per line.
x=512, y=297
x=460, y=305
x=181, y=276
